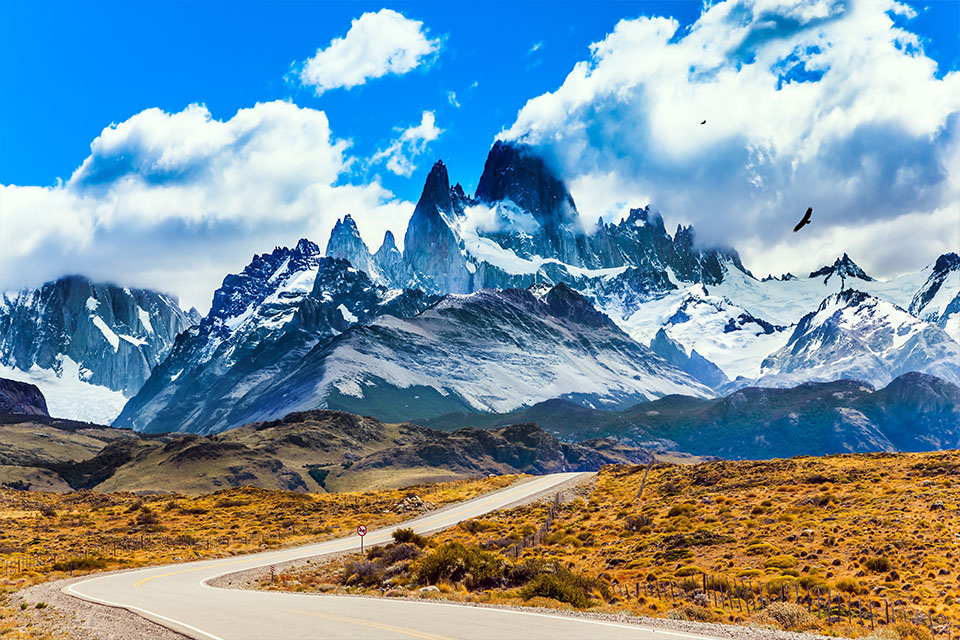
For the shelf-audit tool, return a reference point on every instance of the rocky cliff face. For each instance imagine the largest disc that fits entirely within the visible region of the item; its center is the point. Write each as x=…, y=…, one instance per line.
x=100, y=333
x=21, y=398
x=262, y=322
x=432, y=250
x=345, y=243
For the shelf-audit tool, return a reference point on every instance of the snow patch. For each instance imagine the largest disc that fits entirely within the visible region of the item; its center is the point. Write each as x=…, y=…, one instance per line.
x=67, y=395
x=107, y=332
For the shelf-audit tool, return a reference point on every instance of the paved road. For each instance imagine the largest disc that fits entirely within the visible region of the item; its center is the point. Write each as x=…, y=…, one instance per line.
x=178, y=597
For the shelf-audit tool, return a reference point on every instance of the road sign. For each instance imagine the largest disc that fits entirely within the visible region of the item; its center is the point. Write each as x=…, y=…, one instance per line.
x=362, y=530
x=272, y=569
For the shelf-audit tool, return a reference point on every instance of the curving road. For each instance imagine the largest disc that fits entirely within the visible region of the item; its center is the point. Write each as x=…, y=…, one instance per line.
x=178, y=596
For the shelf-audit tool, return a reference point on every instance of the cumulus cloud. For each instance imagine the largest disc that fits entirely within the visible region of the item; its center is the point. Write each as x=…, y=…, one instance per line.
x=377, y=44
x=177, y=200
x=412, y=142
x=831, y=104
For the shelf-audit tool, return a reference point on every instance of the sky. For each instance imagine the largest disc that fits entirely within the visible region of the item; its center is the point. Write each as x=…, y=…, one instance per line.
x=162, y=144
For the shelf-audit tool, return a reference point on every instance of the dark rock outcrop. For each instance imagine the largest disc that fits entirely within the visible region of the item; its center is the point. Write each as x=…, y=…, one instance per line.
x=21, y=398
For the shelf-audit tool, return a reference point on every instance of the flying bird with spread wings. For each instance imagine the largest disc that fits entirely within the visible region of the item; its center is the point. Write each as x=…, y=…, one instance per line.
x=805, y=221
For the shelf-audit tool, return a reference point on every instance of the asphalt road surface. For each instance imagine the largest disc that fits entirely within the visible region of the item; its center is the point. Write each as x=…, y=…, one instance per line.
x=178, y=596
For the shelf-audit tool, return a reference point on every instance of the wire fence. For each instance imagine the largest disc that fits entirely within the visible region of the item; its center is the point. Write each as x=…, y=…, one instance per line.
x=16, y=560
x=744, y=595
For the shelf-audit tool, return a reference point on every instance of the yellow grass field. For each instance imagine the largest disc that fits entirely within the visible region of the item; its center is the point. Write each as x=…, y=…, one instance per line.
x=43, y=534
x=883, y=528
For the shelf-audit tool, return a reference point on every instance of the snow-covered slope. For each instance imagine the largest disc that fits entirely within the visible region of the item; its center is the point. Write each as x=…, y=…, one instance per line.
x=938, y=300
x=87, y=345
x=855, y=335
x=486, y=351
x=262, y=322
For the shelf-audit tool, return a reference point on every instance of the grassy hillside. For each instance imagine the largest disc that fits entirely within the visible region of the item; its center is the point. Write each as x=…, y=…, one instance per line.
x=313, y=451
x=872, y=527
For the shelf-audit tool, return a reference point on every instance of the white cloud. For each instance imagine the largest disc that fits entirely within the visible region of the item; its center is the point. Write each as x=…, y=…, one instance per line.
x=412, y=142
x=536, y=47
x=377, y=44
x=827, y=104
x=452, y=99
x=175, y=201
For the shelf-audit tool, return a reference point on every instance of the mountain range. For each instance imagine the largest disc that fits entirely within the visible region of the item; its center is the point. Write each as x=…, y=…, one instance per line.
x=497, y=302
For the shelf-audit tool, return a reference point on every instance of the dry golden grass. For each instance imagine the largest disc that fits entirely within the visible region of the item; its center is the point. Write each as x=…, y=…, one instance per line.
x=882, y=526
x=102, y=531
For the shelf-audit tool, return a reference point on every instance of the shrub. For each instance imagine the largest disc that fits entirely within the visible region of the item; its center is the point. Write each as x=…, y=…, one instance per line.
x=362, y=572
x=684, y=509
x=760, y=549
x=848, y=585
x=780, y=562
x=565, y=587
x=636, y=523
x=909, y=631
x=693, y=612
x=878, y=564
x=777, y=584
x=788, y=616
x=409, y=536
x=453, y=561
x=88, y=563
x=684, y=572
x=398, y=552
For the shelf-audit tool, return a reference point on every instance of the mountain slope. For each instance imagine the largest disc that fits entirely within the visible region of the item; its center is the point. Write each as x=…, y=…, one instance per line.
x=915, y=412
x=262, y=322
x=491, y=350
x=938, y=300
x=855, y=335
x=87, y=345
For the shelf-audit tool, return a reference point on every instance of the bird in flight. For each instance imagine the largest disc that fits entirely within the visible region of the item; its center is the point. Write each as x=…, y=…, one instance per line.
x=805, y=221
x=704, y=122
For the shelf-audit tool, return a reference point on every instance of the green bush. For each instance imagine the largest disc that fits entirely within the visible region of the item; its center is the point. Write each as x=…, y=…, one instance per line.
x=454, y=561
x=565, y=587
x=409, y=536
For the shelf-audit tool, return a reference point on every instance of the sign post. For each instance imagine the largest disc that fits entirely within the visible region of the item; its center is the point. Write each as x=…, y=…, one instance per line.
x=272, y=569
x=361, y=531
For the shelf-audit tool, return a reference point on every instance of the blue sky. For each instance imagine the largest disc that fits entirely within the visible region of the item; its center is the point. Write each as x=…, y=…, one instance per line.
x=851, y=106
x=73, y=68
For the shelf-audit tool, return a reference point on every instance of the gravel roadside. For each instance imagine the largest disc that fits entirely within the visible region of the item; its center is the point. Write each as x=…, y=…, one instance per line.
x=69, y=617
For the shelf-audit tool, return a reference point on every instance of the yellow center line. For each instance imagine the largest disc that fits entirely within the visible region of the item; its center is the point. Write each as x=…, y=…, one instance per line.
x=372, y=625
x=139, y=583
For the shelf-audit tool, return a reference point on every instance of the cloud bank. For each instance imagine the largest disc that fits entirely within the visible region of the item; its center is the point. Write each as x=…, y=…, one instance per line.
x=175, y=201
x=830, y=104
x=376, y=45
